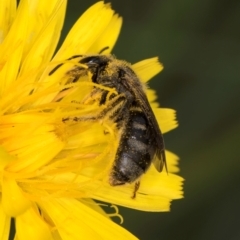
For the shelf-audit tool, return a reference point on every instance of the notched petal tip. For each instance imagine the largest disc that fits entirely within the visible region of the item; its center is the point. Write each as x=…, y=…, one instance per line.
x=172, y=162
x=148, y=68
x=108, y=37
x=86, y=31
x=166, y=118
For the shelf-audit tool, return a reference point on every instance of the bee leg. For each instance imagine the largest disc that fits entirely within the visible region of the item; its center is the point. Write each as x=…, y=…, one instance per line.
x=136, y=187
x=118, y=104
x=94, y=95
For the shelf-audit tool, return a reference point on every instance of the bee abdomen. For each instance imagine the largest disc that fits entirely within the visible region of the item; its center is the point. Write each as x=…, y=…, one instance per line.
x=136, y=150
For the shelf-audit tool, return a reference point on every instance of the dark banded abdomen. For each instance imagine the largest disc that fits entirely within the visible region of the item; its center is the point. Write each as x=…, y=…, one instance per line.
x=136, y=150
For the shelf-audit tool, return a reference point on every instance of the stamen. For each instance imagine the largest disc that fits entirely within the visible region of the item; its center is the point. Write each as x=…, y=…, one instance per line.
x=116, y=214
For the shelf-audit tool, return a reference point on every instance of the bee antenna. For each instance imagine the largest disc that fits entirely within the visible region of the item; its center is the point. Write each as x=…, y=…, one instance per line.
x=104, y=49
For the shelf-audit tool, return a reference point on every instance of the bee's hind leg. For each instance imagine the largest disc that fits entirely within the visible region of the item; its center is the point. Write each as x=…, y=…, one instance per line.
x=136, y=187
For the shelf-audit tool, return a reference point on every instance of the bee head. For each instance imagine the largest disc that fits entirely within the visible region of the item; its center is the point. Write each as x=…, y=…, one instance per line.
x=98, y=65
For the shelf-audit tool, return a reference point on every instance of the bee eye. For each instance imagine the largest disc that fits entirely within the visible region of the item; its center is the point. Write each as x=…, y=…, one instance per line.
x=94, y=61
x=90, y=60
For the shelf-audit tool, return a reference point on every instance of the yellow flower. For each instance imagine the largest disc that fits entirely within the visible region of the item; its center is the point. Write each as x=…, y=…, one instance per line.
x=52, y=170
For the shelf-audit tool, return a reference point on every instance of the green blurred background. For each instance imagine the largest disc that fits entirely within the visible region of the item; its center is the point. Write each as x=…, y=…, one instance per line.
x=199, y=44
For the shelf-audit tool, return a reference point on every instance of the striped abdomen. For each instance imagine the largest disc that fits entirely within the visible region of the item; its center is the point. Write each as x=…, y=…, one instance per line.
x=136, y=150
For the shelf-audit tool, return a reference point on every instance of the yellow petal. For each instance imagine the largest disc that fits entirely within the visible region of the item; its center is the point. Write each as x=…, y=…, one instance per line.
x=29, y=225
x=169, y=185
x=5, y=221
x=96, y=207
x=26, y=135
x=42, y=44
x=109, y=37
x=5, y=158
x=9, y=67
x=40, y=13
x=166, y=118
x=7, y=15
x=147, y=68
x=13, y=200
x=155, y=193
x=172, y=162
x=122, y=196
x=86, y=31
x=12, y=48
x=74, y=220
x=152, y=97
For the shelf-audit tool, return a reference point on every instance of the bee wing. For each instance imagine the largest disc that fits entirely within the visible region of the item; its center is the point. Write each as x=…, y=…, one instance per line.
x=135, y=87
x=160, y=159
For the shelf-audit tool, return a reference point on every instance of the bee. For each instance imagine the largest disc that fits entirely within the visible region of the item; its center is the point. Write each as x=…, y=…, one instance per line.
x=140, y=139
